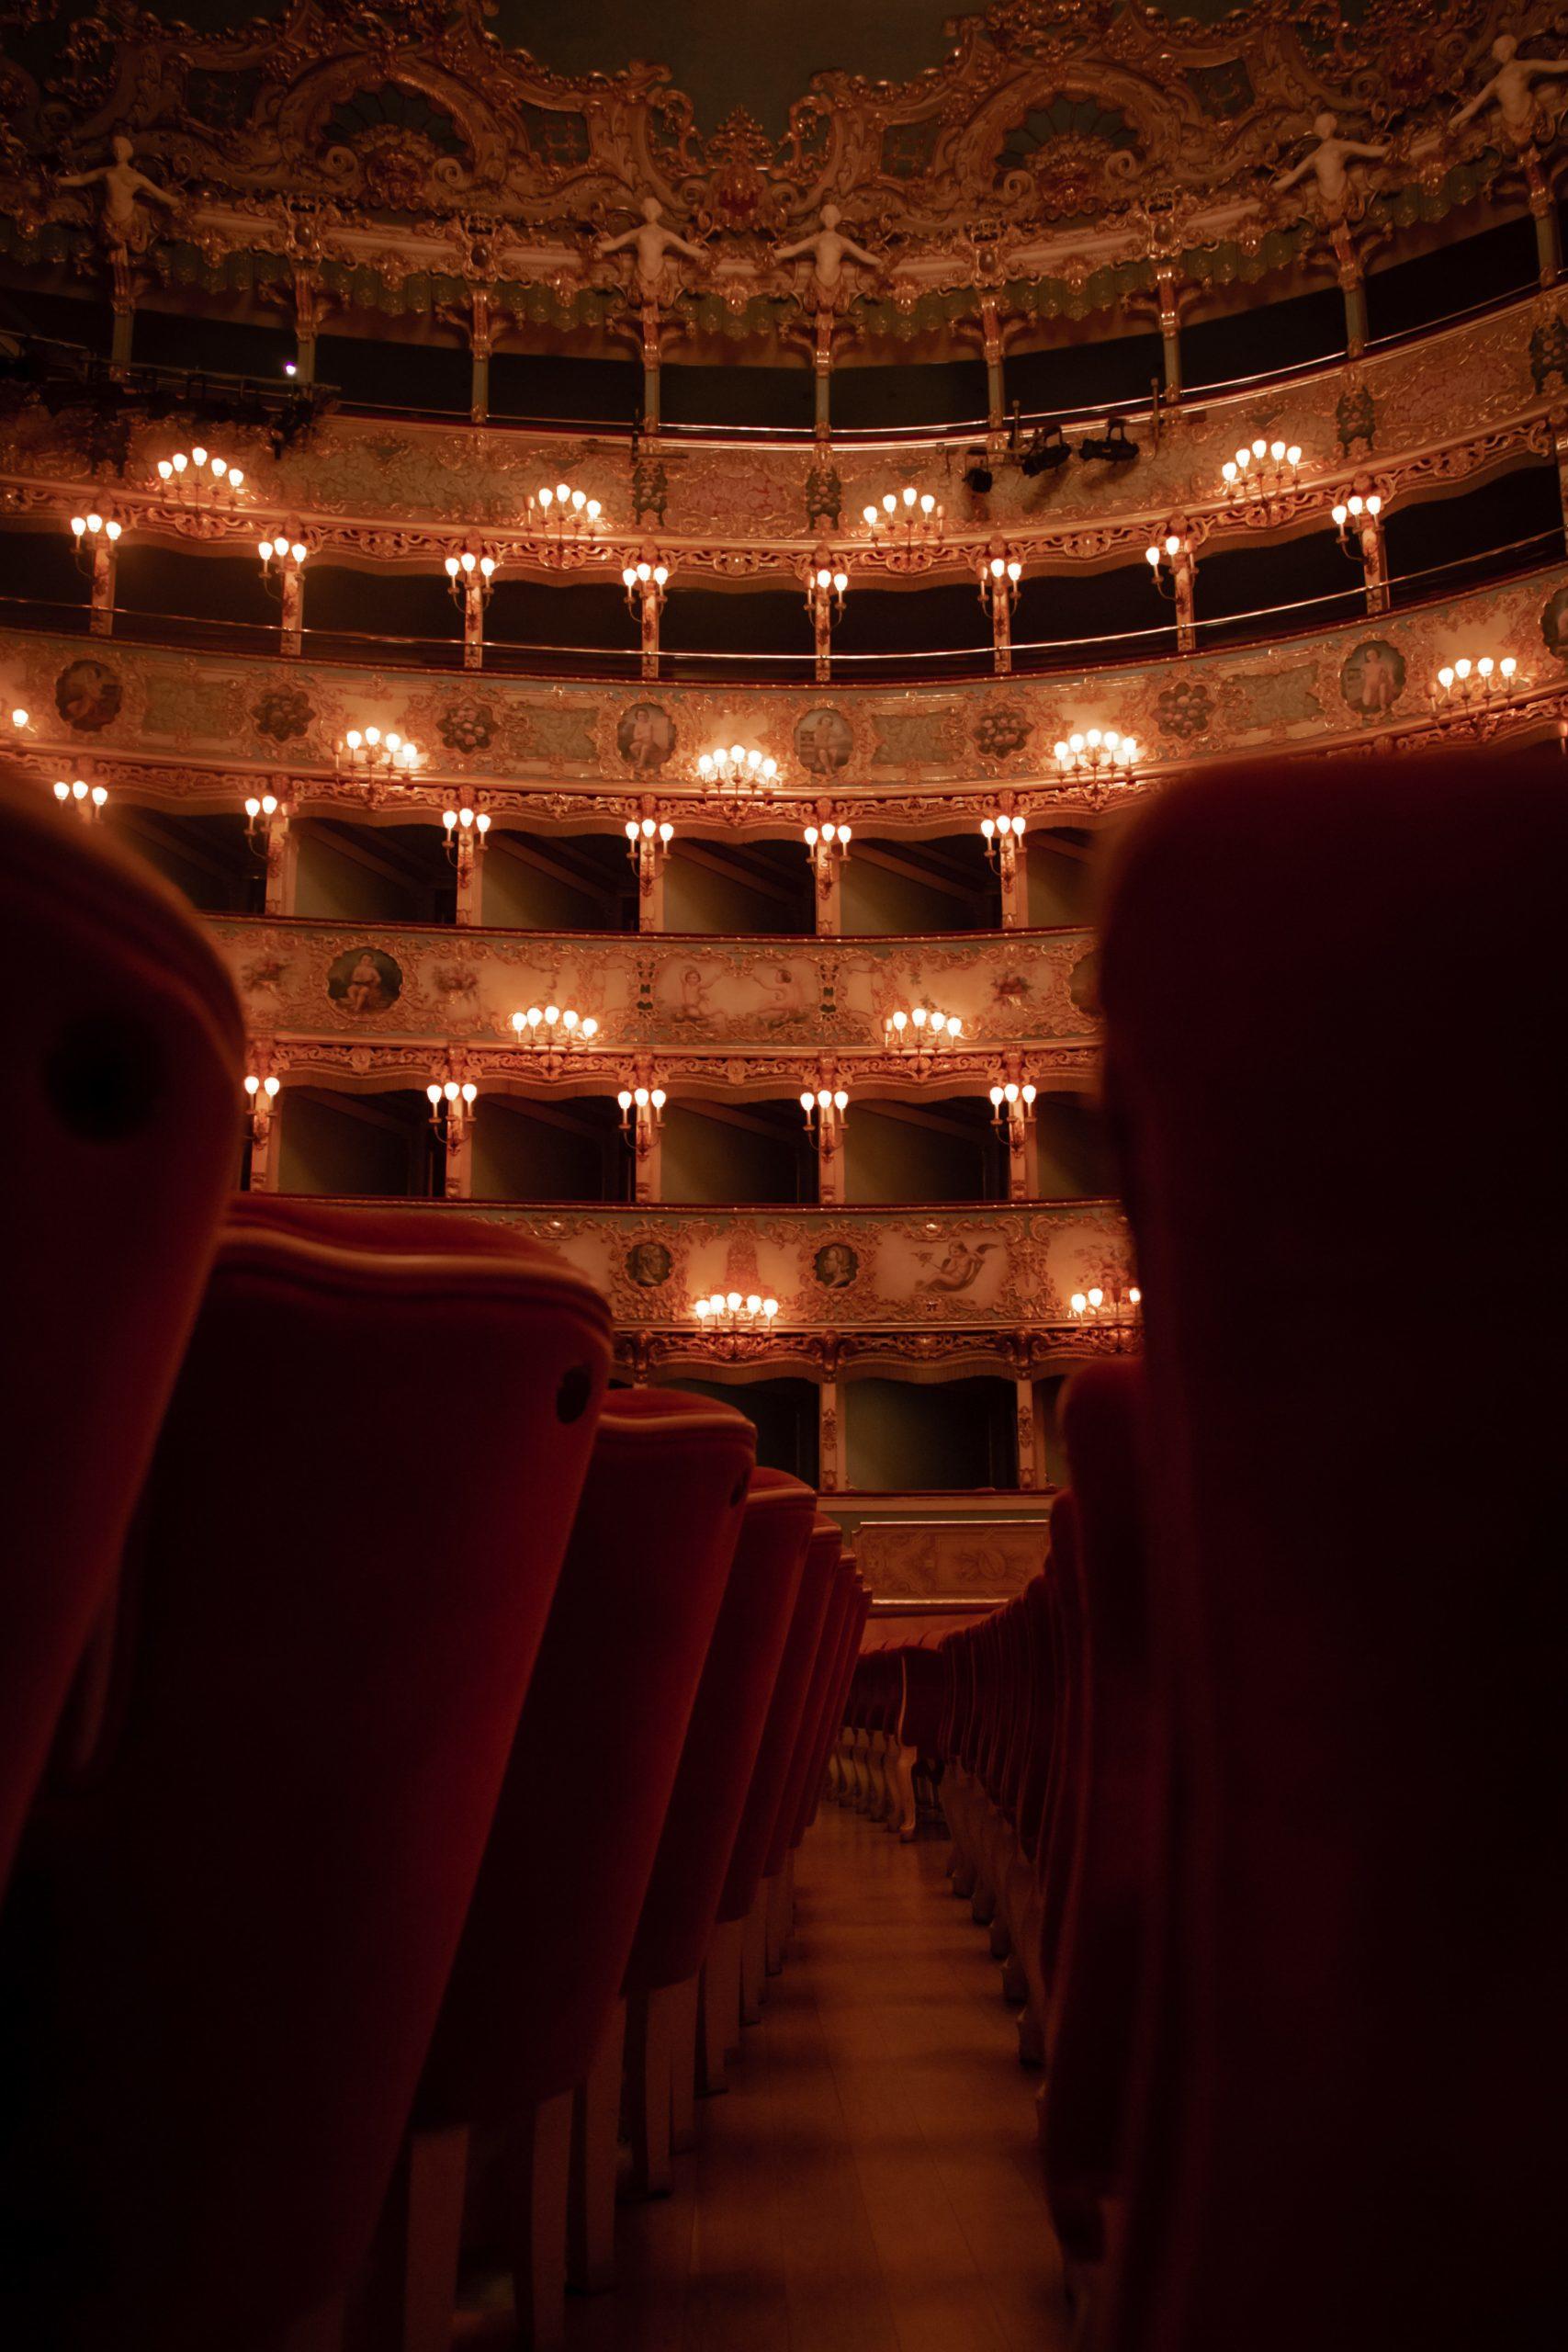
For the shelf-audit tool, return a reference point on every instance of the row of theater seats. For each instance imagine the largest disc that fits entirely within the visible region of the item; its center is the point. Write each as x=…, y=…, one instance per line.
x=404, y=1736
x=1261, y=1789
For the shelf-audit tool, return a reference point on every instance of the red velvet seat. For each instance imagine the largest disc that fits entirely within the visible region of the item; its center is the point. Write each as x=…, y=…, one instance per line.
x=711, y=1789
x=726, y=1978
x=527, y=2013
x=122, y=1067
x=227, y=1944
x=806, y=1764
x=1336, y=999
x=1110, y=1908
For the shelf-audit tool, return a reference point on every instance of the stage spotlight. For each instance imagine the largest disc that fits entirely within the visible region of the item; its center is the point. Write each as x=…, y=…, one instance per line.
x=977, y=475
x=1114, y=447
x=1043, y=452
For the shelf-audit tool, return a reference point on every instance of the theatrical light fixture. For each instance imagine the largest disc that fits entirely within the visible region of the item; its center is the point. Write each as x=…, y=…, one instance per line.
x=451, y=1108
x=729, y=1311
x=1098, y=751
x=1468, y=685
x=198, y=474
x=1002, y=836
x=1043, y=452
x=1114, y=447
x=1261, y=470
x=642, y=1116
x=736, y=768
x=977, y=475
x=87, y=800
x=367, y=751
x=468, y=574
x=551, y=1028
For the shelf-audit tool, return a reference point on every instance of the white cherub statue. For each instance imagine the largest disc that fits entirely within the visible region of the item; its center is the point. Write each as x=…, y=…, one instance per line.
x=828, y=249
x=123, y=229
x=1510, y=87
x=1327, y=162
x=654, y=245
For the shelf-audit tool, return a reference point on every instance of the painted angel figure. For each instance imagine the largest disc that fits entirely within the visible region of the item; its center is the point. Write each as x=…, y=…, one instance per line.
x=1511, y=88
x=654, y=244
x=829, y=250
x=1327, y=162
x=123, y=229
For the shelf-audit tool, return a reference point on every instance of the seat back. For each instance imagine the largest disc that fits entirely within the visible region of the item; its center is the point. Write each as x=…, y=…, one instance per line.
x=228, y=1944
x=121, y=1066
x=571, y=1846
x=1354, y=2129
x=725, y=1733
x=775, y=1750
x=824, y=1673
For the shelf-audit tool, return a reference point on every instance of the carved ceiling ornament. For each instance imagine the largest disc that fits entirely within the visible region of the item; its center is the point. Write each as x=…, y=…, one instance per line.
x=1062, y=145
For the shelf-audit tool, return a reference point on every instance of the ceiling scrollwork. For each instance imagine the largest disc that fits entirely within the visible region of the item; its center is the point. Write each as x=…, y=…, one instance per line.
x=1070, y=147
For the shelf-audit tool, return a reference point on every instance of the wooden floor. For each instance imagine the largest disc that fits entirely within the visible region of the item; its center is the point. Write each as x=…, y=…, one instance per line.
x=870, y=2181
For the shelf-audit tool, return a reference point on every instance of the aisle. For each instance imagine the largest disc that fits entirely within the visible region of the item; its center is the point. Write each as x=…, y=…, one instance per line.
x=869, y=2182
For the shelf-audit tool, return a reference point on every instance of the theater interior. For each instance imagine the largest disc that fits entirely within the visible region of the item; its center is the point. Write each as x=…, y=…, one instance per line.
x=783, y=832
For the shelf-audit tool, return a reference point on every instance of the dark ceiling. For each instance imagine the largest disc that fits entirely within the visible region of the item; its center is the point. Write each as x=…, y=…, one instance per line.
x=759, y=54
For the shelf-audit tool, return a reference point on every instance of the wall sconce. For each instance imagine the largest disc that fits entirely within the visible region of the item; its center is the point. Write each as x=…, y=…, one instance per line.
x=374, y=755
x=562, y=523
x=22, y=719
x=1350, y=517
x=260, y=810
x=728, y=1314
x=644, y=584
x=919, y=1031
x=642, y=1116
x=1466, y=686
x=87, y=800
x=1115, y=1314
x=92, y=532
x=261, y=1094
x=736, y=769
x=648, y=844
x=825, y=1110
x=1165, y=558
x=282, y=559
x=464, y=840
x=1000, y=576
x=470, y=575
x=1099, y=753
x=825, y=588
x=1002, y=836
x=451, y=1108
x=201, y=477
x=828, y=845
x=907, y=526
x=1260, y=472
x=552, y=1029
x=1011, y=1105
